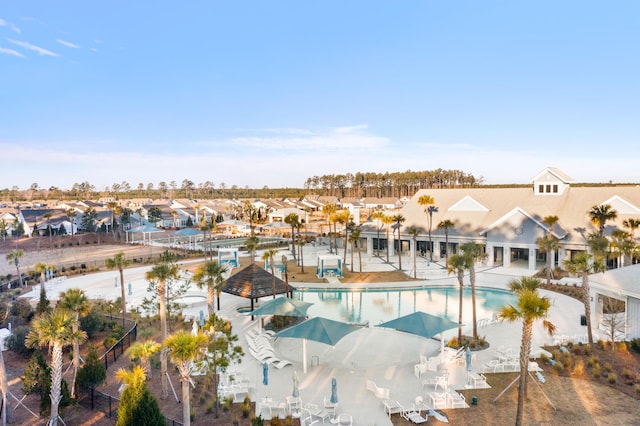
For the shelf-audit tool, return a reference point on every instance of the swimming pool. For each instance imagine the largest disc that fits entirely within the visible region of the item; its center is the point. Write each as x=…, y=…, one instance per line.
x=380, y=305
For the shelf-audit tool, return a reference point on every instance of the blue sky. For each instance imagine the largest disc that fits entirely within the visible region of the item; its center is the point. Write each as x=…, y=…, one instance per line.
x=257, y=93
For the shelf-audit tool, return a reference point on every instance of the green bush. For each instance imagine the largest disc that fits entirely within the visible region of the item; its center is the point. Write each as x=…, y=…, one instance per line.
x=92, y=372
x=612, y=378
x=21, y=308
x=16, y=341
x=595, y=370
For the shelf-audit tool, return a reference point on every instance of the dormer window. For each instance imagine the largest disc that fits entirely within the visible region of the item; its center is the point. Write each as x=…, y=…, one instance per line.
x=550, y=181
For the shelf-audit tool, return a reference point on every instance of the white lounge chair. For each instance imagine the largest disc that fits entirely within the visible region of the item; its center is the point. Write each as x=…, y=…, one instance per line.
x=392, y=407
x=456, y=400
x=316, y=412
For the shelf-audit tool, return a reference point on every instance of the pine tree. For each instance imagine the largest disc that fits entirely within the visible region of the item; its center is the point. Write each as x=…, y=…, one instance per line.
x=92, y=373
x=137, y=405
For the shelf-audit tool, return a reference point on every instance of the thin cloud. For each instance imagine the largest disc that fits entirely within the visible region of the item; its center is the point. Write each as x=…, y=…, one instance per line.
x=67, y=43
x=39, y=50
x=11, y=52
x=296, y=140
x=9, y=25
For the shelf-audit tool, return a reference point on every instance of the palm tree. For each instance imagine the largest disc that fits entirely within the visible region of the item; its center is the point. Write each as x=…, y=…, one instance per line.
x=252, y=244
x=334, y=218
x=345, y=218
x=378, y=215
x=446, y=224
x=185, y=349
x=549, y=244
x=354, y=239
x=632, y=225
x=196, y=208
x=599, y=245
x=75, y=301
x=473, y=252
x=530, y=308
x=428, y=202
x=55, y=330
x=457, y=264
x=71, y=214
x=267, y=256
x=301, y=242
x=413, y=233
x=398, y=220
x=622, y=245
x=583, y=264
x=292, y=220
x=14, y=256
x=600, y=215
x=143, y=351
x=161, y=273
x=211, y=275
x=387, y=220
x=120, y=262
x=329, y=210
x=286, y=275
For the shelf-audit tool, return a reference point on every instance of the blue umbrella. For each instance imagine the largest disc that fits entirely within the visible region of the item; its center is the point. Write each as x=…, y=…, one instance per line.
x=334, y=391
x=468, y=358
x=265, y=374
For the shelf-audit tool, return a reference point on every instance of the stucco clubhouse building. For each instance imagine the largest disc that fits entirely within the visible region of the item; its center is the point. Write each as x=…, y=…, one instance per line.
x=508, y=221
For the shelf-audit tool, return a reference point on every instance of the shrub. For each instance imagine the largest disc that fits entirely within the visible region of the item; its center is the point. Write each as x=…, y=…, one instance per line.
x=15, y=341
x=593, y=361
x=558, y=367
x=608, y=367
x=596, y=371
x=92, y=372
x=578, y=367
x=226, y=404
x=92, y=323
x=612, y=378
x=602, y=344
x=634, y=344
x=22, y=308
x=622, y=346
x=246, y=409
x=638, y=388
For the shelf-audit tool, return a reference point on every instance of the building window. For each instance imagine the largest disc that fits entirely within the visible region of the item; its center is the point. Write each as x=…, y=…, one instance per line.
x=555, y=189
x=548, y=188
x=540, y=188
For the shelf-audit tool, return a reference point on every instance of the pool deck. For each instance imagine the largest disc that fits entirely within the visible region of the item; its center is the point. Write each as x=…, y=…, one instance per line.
x=384, y=356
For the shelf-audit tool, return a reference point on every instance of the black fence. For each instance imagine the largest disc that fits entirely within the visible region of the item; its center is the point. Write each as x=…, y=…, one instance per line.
x=96, y=400
x=107, y=404
x=118, y=349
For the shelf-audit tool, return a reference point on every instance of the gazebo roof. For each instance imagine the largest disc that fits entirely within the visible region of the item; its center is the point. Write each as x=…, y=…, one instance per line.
x=253, y=282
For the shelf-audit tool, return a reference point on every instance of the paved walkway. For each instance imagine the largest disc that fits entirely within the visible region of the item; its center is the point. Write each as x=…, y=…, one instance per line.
x=384, y=356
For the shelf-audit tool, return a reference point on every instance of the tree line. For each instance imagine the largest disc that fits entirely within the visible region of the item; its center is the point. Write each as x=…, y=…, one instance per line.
x=359, y=184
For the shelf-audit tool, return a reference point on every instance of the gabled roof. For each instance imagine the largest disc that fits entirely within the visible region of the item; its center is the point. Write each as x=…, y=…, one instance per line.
x=558, y=174
x=468, y=204
x=519, y=211
x=621, y=205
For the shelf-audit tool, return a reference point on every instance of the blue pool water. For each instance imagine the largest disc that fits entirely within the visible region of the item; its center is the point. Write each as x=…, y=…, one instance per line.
x=378, y=306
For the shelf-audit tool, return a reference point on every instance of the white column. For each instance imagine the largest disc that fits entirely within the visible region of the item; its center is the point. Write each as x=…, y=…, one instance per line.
x=532, y=258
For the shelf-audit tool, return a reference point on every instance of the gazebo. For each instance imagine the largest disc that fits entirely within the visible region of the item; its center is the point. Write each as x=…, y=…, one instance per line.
x=252, y=283
x=329, y=265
